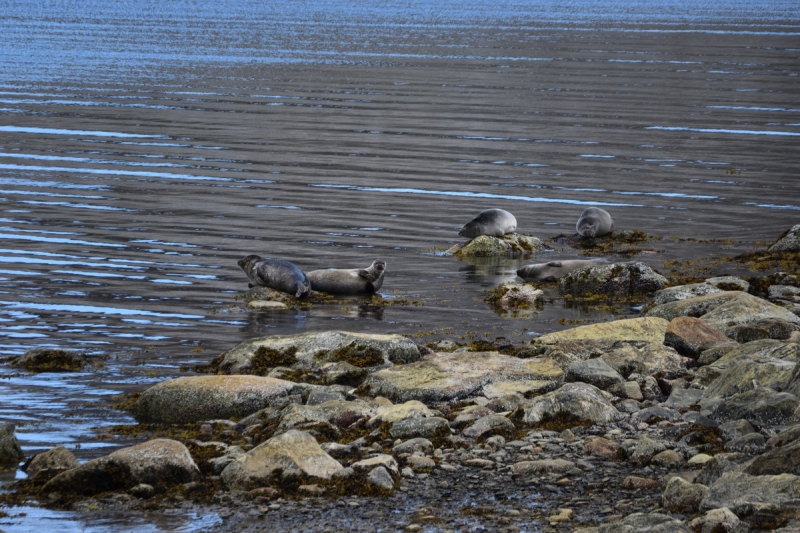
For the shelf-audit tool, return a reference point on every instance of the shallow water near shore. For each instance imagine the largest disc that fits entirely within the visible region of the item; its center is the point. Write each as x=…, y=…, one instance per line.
x=145, y=148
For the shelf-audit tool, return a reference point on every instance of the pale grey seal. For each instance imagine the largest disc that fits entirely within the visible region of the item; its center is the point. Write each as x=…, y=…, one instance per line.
x=276, y=274
x=492, y=222
x=555, y=269
x=349, y=281
x=594, y=222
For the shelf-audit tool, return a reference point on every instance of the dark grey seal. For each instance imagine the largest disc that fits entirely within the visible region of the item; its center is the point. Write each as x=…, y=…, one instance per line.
x=276, y=274
x=555, y=269
x=492, y=222
x=349, y=281
x=594, y=222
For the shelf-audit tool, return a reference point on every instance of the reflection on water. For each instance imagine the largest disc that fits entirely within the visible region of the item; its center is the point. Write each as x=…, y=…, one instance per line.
x=142, y=156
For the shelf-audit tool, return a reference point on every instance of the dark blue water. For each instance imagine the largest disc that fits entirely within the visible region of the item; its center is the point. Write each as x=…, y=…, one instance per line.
x=146, y=146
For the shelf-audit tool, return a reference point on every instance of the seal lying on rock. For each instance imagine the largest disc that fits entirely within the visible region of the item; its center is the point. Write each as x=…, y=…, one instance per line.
x=492, y=222
x=555, y=269
x=349, y=281
x=276, y=274
x=594, y=222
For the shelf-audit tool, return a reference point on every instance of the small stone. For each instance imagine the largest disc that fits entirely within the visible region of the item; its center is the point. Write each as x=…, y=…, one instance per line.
x=564, y=515
x=668, y=458
x=379, y=477
x=639, y=483
x=143, y=490
x=601, y=447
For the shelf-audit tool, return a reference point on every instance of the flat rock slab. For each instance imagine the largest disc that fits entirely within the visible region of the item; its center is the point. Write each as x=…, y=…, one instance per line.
x=155, y=462
x=743, y=309
x=690, y=336
x=649, y=329
x=294, y=454
x=696, y=307
x=197, y=398
x=451, y=376
x=313, y=350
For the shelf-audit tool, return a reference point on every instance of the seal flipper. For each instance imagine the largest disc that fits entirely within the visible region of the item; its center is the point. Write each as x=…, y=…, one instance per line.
x=369, y=287
x=367, y=275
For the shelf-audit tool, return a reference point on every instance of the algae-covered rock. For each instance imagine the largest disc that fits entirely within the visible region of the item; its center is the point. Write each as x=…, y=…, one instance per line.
x=196, y=398
x=572, y=402
x=50, y=360
x=616, y=280
x=450, y=376
x=10, y=452
x=46, y=465
x=155, y=462
x=788, y=242
x=513, y=297
x=315, y=349
x=648, y=329
x=729, y=283
x=294, y=454
x=511, y=244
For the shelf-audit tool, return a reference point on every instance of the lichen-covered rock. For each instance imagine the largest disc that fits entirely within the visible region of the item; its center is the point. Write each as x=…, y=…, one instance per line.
x=10, y=452
x=338, y=413
x=389, y=414
x=788, y=242
x=489, y=425
x=450, y=376
x=572, y=402
x=155, y=462
x=541, y=466
x=762, y=407
x=683, y=292
x=196, y=398
x=646, y=358
x=386, y=461
x=595, y=372
x=739, y=491
x=682, y=497
x=629, y=329
x=46, y=465
x=431, y=428
x=744, y=309
x=716, y=521
x=765, y=328
x=690, y=336
x=511, y=244
x=315, y=349
x=645, y=523
x=747, y=374
x=616, y=280
x=783, y=460
x=50, y=360
x=379, y=478
x=294, y=454
x=696, y=307
x=729, y=283
x=719, y=465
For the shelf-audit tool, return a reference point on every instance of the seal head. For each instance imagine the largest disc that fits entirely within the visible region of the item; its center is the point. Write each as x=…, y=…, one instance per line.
x=276, y=274
x=349, y=281
x=594, y=222
x=492, y=222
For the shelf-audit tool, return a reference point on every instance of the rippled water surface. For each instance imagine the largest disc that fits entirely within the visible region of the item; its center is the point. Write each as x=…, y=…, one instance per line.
x=146, y=146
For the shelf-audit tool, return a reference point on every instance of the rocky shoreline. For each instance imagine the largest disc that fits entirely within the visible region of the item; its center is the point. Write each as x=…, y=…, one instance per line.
x=686, y=418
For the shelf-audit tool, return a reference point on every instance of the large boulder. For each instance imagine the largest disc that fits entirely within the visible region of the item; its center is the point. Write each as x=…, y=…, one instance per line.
x=10, y=452
x=335, y=412
x=595, y=372
x=616, y=280
x=762, y=407
x=747, y=374
x=739, y=491
x=197, y=398
x=788, y=242
x=451, y=376
x=696, y=307
x=783, y=460
x=292, y=455
x=646, y=358
x=155, y=462
x=313, y=350
x=745, y=309
x=572, y=402
x=511, y=244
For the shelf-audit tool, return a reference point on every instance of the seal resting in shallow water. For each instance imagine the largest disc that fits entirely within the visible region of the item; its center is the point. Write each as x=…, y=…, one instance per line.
x=276, y=274
x=492, y=222
x=555, y=269
x=594, y=222
x=349, y=281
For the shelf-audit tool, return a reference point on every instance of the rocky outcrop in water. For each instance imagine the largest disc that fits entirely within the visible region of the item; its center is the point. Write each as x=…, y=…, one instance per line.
x=614, y=281
x=511, y=245
x=50, y=360
x=788, y=242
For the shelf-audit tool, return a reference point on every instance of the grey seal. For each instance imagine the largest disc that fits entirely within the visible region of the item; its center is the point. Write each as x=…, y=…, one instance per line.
x=349, y=281
x=492, y=222
x=555, y=269
x=594, y=222
x=276, y=274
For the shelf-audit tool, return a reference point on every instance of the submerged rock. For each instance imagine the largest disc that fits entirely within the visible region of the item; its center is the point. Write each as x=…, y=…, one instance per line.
x=46, y=465
x=513, y=296
x=155, y=462
x=294, y=454
x=50, y=360
x=511, y=244
x=196, y=398
x=616, y=280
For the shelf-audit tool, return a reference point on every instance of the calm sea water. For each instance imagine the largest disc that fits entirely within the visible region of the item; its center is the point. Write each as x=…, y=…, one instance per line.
x=146, y=146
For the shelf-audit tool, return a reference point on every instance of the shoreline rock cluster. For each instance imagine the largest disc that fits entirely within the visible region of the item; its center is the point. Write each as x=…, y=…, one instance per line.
x=686, y=418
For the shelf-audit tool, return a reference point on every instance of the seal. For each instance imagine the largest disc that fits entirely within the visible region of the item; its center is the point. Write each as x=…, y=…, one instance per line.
x=555, y=269
x=594, y=222
x=276, y=274
x=492, y=222
x=349, y=281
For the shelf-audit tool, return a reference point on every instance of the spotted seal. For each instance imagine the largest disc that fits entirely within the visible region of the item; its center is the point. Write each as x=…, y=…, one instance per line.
x=555, y=269
x=276, y=274
x=492, y=222
x=594, y=222
x=349, y=281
